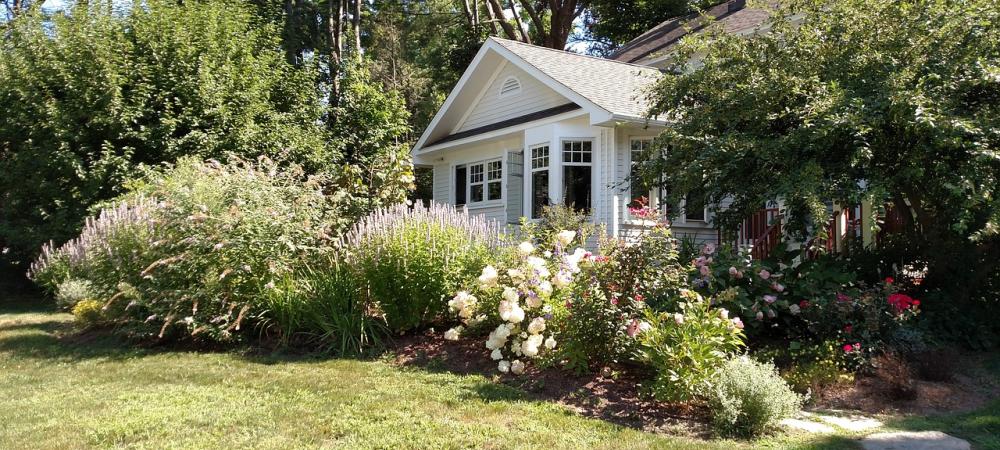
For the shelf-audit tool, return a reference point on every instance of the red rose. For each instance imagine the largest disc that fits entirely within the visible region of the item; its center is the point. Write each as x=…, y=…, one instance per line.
x=638, y=297
x=848, y=348
x=889, y=280
x=804, y=304
x=848, y=328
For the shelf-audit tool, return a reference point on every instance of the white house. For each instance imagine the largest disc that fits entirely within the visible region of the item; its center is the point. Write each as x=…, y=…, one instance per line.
x=527, y=126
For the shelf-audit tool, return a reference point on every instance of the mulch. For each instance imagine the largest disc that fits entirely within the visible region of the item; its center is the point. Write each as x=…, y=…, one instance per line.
x=614, y=393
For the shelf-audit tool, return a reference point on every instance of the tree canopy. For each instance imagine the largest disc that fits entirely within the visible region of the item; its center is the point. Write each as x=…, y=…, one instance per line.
x=897, y=102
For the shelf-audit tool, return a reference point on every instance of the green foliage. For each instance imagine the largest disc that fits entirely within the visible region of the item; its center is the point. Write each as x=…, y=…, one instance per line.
x=809, y=367
x=89, y=95
x=612, y=23
x=748, y=398
x=71, y=291
x=688, y=348
x=194, y=249
x=594, y=328
x=555, y=219
x=371, y=125
x=410, y=261
x=893, y=101
x=88, y=312
x=647, y=270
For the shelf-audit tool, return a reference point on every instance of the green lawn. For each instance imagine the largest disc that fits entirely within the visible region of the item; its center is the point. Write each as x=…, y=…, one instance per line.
x=73, y=393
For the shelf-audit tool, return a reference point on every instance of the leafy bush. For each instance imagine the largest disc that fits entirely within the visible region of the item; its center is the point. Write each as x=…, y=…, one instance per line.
x=748, y=398
x=70, y=292
x=91, y=96
x=555, y=219
x=611, y=294
x=811, y=367
x=543, y=280
x=88, y=312
x=411, y=260
x=687, y=348
x=194, y=249
x=937, y=364
x=793, y=298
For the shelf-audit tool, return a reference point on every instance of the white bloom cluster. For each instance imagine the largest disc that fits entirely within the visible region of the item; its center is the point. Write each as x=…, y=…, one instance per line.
x=525, y=294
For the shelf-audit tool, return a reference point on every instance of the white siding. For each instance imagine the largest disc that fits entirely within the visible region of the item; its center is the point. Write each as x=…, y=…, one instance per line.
x=442, y=183
x=491, y=108
x=497, y=213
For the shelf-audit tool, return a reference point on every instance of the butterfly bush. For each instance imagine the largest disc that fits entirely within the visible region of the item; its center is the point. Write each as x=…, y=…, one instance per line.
x=519, y=299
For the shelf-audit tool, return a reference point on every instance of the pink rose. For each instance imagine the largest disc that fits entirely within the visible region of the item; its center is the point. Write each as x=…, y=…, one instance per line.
x=764, y=274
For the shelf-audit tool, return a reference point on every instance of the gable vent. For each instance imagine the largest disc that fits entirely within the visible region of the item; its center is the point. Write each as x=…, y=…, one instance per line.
x=510, y=86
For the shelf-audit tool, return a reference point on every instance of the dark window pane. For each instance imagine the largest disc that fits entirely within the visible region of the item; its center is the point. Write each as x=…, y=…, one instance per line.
x=460, y=185
x=493, y=190
x=476, y=193
x=539, y=192
x=694, y=208
x=577, y=186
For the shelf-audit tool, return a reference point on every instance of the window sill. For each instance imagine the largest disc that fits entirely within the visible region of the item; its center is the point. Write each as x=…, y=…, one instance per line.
x=483, y=205
x=639, y=222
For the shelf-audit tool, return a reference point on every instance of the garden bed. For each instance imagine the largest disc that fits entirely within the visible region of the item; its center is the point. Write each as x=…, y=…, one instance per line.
x=615, y=397
x=612, y=394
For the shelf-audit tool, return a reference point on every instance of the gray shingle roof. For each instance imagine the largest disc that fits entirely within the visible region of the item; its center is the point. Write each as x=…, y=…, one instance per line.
x=616, y=86
x=733, y=16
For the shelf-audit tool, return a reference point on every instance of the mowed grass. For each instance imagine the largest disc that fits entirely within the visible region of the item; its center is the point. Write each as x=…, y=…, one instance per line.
x=75, y=393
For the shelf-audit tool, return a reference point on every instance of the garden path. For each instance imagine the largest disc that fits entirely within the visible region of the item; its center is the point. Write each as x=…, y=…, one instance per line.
x=832, y=421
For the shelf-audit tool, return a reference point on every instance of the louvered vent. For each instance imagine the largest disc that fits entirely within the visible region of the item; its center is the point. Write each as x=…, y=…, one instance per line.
x=510, y=86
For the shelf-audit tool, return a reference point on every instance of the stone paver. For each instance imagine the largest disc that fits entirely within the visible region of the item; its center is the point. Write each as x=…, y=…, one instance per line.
x=807, y=426
x=913, y=440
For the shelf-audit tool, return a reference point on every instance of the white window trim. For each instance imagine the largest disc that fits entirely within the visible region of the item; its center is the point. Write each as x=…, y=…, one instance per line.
x=684, y=217
x=529, y=191
x=563, y=164
x=653, y=195
x=485, y=202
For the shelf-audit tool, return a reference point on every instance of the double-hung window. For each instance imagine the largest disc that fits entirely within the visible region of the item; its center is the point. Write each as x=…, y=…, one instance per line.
x=539, y=179
x=639, y=188
x=478, y=182
x=577, y=159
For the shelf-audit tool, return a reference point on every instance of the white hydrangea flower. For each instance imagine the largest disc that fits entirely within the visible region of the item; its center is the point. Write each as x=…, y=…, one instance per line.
x=529, y=347
x=536, y=326
x=510, y=294
x=517, y=367
x=496, y=354
x=489, y=277
x=515, y=274
x=525, y=248
x=679, y=318
x=453, y=334
x=504, y=366
x=794, y=309
x=562, y=279
x=565, y=237
x=550, y=343
x=533, y=301
x=724, y=313
x=544, y=288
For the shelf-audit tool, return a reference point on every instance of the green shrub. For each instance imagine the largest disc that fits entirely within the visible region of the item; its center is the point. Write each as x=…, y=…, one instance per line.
x=809, y=366
x=687, y=348
x=748, y=398
x=611, y=295
x=410, y=261
x=554, y=219
x=198, y=246
x=72, y=291
x=88, y=312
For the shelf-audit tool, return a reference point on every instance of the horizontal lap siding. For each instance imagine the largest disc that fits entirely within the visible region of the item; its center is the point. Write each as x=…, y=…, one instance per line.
x=533, y=97
x=442, y=182
x=497, y=213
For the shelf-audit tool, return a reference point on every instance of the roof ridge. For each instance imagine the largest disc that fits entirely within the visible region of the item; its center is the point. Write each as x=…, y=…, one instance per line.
x=641, y=66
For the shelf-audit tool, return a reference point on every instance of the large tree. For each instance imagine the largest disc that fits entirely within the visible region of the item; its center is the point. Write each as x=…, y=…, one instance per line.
x=88, y=96
x=897, y=102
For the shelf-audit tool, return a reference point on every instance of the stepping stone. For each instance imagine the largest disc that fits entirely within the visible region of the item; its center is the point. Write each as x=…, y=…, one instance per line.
x=913, y=440
x=807, y=426
x=852, y=423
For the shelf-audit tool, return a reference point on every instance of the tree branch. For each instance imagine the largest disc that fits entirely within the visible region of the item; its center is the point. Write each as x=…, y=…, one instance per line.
x=497, y=14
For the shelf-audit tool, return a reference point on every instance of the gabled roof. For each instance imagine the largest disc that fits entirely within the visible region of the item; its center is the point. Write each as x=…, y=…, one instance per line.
x=608, y=90
x=616, y=86
x=733, y=16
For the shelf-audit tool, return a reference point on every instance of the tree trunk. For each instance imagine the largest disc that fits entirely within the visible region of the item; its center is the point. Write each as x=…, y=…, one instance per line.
x=334, y=28
x=496, y=13
x=541, y=36
x=517, y=20
x=356, y=23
